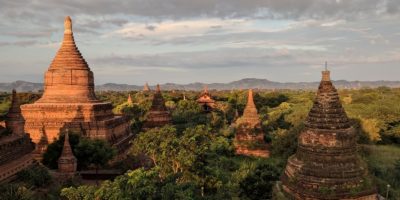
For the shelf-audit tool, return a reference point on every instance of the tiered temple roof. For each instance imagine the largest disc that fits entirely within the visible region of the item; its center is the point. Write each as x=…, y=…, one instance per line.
x=326, y=164
x=69, y=101
x=69, y=78
x=249, y=138
x=15, y=148
x=205, y=100
x=67, y=162
x=158, y=114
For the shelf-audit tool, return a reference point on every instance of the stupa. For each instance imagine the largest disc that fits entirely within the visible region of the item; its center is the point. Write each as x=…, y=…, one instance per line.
x=158, y=114
x=67, y=162
x=129, y=101
x=146, y=87
x=206, y=101
x=16, y=147
x=326, y=164
x=69, y=101
x=15, y=122
x=249, y=138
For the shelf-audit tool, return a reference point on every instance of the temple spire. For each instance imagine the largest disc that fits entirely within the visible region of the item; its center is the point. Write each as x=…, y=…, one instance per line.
x=326, y=65
x=14, y=120
x=67, y=25
x=205, y=89
x=130, y=99
x=158, y=90
x=326, y=73
x=67, y=162
x=67, y=151
x=146, y=87
x=250, y=113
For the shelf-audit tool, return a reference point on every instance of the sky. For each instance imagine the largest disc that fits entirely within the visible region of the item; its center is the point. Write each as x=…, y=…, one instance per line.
x=185, y=41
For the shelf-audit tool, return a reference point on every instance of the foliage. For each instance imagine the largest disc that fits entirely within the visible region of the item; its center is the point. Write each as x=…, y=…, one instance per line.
x=87, y=151
x=14, y=191
x=36, y=176
x=84, y=192
x=383, y=163
x=53, y=152
x=259, y=183
x=93, y=152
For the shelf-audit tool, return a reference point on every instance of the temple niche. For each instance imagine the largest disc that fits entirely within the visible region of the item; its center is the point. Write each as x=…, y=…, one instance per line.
x=158, y=114
x=249, y=138
x=69, y=102
x=326, y=164
x=205, y=100
x=16, y=146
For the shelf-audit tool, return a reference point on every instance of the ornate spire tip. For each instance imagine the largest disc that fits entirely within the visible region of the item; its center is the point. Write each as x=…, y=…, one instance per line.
x=67, y=25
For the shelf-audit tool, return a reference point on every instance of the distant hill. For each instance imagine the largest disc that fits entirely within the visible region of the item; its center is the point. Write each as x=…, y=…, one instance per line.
x=246, y=83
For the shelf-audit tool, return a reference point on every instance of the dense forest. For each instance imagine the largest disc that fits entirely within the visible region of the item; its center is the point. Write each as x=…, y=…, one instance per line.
x=193, y=158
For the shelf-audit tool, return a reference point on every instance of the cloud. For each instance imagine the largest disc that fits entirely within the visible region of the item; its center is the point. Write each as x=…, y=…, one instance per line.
x=180, y=9
x=22, y=43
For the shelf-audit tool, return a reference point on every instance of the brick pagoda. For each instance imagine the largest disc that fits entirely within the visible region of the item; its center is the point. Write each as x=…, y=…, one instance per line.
x=249, y=138
x=129, y=101
x=146, y=87
x=158, y=114
x=69, y=101
x=206, y=101
x=326, y=164
x=67, y=162
x=16, y=147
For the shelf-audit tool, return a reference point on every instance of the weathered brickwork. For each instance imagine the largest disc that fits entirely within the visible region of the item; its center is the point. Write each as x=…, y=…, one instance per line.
x=67, y=162
x=158, y=114
x=69, y=102
x=326, y=164
x=249, y=138
x=16, y=147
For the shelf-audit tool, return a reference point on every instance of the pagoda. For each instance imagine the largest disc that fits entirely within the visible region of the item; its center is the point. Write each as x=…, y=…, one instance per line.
x=326, y=164
x=206, y=101
x=15, y=122
x=158, y=114
x=16, y=147
x=67, y=162
x=146, y=87
x=129, y=101
x=249, y=138
x=69, y=101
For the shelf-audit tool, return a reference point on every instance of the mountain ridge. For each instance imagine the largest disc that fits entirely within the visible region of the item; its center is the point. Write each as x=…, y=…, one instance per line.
x=246, y=83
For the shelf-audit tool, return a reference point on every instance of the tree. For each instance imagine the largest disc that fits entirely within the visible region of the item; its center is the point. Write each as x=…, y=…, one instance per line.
x=14, y=191
x=93, y=152
x=53, y=152
x=259, y=183
x=36, y=176
x=83, y=192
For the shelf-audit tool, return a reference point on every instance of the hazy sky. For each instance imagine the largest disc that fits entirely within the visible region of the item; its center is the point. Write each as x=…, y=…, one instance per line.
x=186, y=41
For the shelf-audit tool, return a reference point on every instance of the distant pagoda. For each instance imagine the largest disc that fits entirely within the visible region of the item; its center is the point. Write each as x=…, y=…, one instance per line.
x=205, y=100
x=129, y=101
x=16, y=146
x=158, y=114
x=67, y=162
x=146, y=87
x=326, y=165
x=15, y=122
x=69, y=101
x=249, y=138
